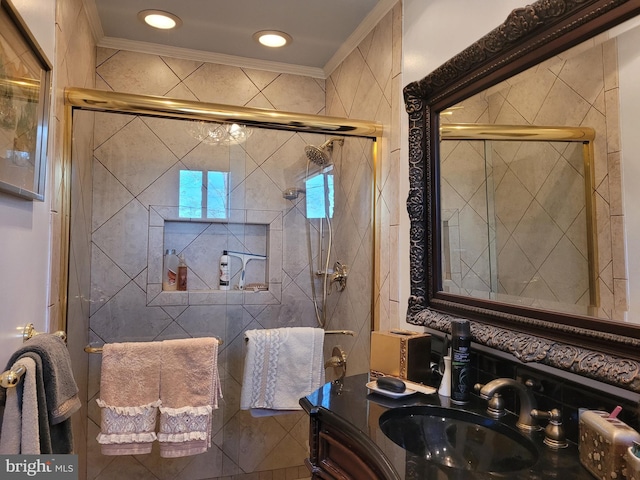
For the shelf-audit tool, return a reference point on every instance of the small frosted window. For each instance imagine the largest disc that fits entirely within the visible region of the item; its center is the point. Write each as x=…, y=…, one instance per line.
x=196, y=201
x=217, y=194
x=319, y=191
x=190, y=203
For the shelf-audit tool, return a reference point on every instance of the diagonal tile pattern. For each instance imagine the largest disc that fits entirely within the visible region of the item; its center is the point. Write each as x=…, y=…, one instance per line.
x=78, y=63
x=244, y=444
x=136, y=166
x=369, y=88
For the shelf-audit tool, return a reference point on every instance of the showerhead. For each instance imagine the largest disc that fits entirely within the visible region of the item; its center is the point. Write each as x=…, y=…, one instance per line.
x=316, y=155
x=319, y=155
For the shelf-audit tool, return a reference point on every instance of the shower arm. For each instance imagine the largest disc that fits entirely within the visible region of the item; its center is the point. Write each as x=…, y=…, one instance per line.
x=330, y=142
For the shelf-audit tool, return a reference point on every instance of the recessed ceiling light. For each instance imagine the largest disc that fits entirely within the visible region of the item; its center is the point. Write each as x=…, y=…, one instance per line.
x=160, y=19
x=272, y=38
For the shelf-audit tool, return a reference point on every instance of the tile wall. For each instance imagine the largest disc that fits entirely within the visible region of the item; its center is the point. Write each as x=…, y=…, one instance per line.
x=368, y=85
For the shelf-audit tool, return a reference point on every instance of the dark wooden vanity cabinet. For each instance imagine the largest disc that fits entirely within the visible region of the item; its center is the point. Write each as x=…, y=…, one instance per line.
x=340, y=451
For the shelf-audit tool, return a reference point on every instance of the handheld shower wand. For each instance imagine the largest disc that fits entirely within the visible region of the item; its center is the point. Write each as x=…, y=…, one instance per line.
x=245, y=258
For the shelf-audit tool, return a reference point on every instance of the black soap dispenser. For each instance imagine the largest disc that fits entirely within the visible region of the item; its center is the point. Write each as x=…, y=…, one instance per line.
x=460, y=361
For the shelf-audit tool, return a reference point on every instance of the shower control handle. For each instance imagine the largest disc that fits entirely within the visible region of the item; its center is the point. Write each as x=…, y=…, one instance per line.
x=339, y=276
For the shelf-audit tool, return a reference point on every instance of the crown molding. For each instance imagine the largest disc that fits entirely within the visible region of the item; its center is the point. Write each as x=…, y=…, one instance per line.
x=91, y=11
x=210, y=57
x=368, y=24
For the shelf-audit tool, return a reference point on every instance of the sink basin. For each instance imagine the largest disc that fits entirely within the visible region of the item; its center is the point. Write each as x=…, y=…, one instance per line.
x=458, y=439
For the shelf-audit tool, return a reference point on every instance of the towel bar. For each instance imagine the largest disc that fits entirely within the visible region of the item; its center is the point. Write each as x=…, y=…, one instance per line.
x=90, y=349
x=340, y=332
x=29, y=332
x=11, y=377
x=331, y=332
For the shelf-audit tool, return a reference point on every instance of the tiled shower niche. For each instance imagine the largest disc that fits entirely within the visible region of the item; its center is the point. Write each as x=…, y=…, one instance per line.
x=202, y=241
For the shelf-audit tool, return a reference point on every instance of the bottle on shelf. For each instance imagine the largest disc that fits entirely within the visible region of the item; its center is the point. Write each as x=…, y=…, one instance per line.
x=182, y=273
x=224, y=271
x=170, y=273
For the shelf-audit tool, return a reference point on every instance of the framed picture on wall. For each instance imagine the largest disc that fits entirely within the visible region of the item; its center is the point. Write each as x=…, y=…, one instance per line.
x=25, y=77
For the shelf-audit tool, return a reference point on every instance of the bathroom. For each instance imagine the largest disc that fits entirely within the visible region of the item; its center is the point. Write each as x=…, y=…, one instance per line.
x=33, y=248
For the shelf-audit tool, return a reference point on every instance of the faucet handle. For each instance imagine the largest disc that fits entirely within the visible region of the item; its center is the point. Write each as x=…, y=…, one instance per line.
x=495, y=405
x=554, y=436
x=533, y=384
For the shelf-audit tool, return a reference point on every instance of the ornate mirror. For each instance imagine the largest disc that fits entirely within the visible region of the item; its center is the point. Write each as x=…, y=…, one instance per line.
x=516, y=198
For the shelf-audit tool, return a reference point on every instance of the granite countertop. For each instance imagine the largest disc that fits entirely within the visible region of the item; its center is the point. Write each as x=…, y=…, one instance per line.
x=352, y=401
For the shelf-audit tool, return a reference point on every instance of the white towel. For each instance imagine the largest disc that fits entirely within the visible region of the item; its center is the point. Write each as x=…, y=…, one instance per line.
x=281, y=366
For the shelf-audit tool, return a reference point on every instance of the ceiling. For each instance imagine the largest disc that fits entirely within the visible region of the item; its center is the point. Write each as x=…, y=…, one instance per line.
x=220, y=31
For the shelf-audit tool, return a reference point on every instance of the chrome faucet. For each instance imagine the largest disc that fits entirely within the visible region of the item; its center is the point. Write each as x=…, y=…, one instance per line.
x=527, y=401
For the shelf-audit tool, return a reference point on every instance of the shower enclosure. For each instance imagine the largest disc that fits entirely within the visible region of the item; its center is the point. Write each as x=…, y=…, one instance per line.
x=143, y=182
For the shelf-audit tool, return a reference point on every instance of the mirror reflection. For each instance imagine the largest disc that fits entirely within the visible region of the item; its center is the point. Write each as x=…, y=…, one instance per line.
x=516, y=223
x=532, y=220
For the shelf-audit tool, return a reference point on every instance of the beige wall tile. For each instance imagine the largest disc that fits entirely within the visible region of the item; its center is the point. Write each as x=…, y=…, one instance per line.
x=585, y=74
x=348, y=79
x=613, y=120
x=309, y=98
x=130, y=72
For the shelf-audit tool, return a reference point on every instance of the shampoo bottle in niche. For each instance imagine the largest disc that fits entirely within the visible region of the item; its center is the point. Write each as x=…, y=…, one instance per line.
x=224, y=271
x=182, y=273
x=460, y=361
x=170, y=273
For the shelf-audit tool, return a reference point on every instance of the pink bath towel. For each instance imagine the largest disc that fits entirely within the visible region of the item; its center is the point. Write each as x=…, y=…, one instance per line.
x=129, y=397
x=189, y=390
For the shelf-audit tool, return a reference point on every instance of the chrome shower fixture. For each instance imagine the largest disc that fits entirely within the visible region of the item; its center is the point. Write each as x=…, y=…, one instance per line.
x=320, y=155
x=292, y=193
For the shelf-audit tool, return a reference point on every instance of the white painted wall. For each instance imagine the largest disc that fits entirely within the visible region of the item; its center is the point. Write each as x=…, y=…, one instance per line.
x=24, y=226
x=433, y=32
x=629, y=72
x=40, y=16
